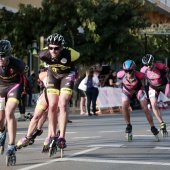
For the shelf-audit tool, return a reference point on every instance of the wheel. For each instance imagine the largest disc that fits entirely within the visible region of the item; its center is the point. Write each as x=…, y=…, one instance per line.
x=1, y=149
x=61, y=153
x=13, y=160
x=51, y=152
x=129, y=135
x=8, y=160
x=157, y=137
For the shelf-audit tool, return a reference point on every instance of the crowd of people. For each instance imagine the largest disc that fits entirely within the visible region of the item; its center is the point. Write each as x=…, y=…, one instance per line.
x=58, y=84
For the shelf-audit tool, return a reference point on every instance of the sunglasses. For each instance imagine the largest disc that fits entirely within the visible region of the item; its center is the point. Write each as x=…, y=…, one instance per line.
x=128, y=71
x=2, y=55
x=148, y=65
x=54, y=48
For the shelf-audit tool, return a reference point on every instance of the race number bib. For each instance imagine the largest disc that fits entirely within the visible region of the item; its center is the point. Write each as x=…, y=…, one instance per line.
x=151, y=93
x=2, y=103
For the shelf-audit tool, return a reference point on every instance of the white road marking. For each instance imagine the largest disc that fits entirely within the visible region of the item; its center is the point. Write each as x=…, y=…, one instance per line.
x=87, y=137
x=149, y=136
x=160, y=147
x=111, y=131
x=60, y=159
x=106, y=146
x=119, y=161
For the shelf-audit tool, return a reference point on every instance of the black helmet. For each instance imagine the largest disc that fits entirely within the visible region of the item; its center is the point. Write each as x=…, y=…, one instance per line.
x=148, y=59
x=5, y=47
x=56, y=39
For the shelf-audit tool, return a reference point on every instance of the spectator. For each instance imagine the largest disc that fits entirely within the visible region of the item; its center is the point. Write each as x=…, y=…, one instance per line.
x=40, y=84
x=111, y=79
x=92, y=91
x=31, y=80
x=81, y=89
x=22, y=101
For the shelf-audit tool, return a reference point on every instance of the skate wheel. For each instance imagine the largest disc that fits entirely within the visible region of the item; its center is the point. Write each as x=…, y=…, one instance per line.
x=50, y=153
x=157, y=138
x=13, y=161
x=8, y=159
x=129, y=136
x=61, y=153
x=1, y=149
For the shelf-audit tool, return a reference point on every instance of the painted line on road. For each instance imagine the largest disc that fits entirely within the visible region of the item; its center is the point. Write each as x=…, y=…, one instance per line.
x=160, y=147
x=60, y=159
x=119, y=161
x=87, y=137
x=149, y=136
x=106, y=146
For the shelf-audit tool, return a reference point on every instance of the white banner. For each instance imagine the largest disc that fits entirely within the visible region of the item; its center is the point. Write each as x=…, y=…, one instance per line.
x=109, y=97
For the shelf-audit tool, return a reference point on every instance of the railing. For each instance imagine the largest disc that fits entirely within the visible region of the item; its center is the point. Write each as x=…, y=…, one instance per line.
x=164, y=4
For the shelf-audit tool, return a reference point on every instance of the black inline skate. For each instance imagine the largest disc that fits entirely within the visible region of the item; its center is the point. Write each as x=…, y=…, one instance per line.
x=10, y=155
x=129, y=132
x=29, y=116
x=2, y=140
x=36, y=133
x=53, y=146
x=163, y=130
x=155, y=132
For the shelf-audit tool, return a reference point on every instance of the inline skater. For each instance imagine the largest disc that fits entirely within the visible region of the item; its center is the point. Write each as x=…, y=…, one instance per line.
x=39, y=118
x=11, y=88
x=132, y=87
x=59, y=84
x=158, y=82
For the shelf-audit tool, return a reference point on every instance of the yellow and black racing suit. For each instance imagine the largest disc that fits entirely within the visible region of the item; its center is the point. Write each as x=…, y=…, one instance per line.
x=60, y=71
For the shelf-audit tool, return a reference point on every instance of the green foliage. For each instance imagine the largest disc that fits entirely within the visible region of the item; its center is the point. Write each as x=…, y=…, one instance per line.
x=111, y=30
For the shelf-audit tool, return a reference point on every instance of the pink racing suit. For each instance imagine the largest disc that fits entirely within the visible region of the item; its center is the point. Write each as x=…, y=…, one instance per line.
x=157, y=79
x=134, y=88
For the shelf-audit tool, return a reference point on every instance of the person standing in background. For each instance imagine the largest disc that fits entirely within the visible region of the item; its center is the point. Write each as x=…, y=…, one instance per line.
x=23, y=100
x=31, y=80
x=92, y=91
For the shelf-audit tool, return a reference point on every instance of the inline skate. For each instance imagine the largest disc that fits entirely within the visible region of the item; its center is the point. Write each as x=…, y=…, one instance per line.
x=23, y=142
x=29, y=116
x=61, y=143
x=2, y=140
x=53, y=146
x=129, y=132
x=155, y=132
x=10, y=155
x=163, y=130
x=36, y=133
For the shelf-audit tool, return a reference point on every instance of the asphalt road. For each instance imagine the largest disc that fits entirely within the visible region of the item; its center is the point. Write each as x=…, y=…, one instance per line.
x=98, y=143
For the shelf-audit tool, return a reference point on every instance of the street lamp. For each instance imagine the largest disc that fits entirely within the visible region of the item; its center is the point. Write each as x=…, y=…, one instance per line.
x=33, y=52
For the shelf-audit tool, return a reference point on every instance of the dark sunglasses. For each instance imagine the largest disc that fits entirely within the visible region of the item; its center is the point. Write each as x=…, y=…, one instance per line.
x=54, y=48
x=128, y=71
x=2, y=55
x=148, y=65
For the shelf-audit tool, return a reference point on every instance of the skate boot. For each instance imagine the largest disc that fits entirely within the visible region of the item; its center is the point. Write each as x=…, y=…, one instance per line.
x=46, y=145
x=23, y=142
x=29, y=116
x=129, y=132
x=10, y=155
x=163, y=130
x=53, y=146
x=61, y=143
x=155, y=132
x=36, y=133
x=2, y=140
